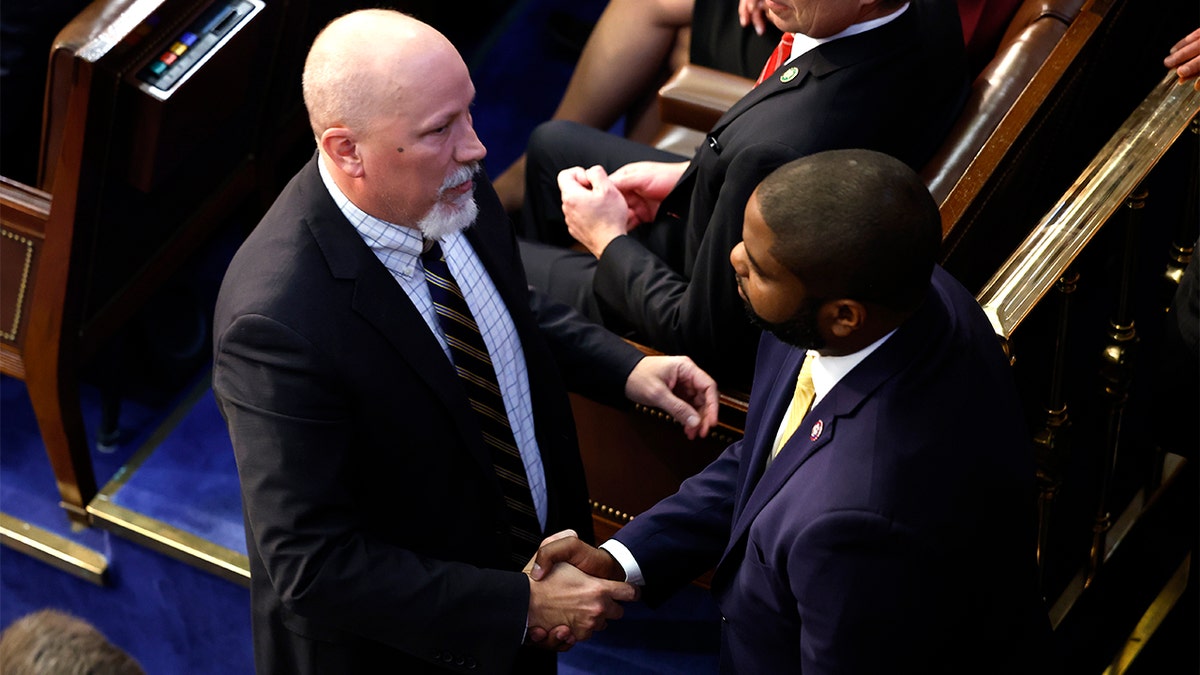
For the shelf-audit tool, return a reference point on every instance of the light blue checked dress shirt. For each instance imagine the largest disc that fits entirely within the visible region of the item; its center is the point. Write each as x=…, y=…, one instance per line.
x=399, y=249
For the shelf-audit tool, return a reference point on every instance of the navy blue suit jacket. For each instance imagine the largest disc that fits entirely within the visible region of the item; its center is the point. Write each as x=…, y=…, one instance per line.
x=894, y=531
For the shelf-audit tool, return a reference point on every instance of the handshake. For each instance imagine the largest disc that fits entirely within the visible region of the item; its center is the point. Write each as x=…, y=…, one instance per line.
x=573, y=591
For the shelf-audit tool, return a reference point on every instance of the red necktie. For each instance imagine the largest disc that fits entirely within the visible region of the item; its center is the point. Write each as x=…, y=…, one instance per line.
x=783, y=50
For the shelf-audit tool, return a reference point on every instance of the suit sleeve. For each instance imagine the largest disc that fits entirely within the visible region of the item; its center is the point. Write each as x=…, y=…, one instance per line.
x=594, y=361
x=684, y=535
x=289, y=420
x=700, y=316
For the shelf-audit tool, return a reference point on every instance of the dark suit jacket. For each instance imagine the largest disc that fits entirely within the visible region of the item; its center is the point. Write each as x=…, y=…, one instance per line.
x=894, y=531
x=375, y=524
x=895, y=89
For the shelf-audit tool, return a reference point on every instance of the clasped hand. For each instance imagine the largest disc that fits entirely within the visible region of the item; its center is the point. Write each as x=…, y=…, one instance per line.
x=599, y=207
x=573, y=591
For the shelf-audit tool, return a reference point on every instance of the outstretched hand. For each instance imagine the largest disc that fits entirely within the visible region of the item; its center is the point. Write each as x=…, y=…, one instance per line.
x=567, y=547
x=559, y=638
x=678, y=386
x=565, y=596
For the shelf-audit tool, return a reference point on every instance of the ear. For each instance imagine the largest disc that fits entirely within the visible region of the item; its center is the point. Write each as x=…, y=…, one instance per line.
x=340, y=145
x=844, y=317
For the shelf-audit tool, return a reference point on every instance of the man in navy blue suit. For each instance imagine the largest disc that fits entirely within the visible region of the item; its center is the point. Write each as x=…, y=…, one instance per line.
x=877, y=516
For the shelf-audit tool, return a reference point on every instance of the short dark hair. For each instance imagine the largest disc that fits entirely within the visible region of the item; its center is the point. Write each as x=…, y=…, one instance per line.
x=854, y=224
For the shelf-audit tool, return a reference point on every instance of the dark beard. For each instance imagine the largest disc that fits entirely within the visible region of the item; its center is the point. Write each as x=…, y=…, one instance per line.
x=799, y=331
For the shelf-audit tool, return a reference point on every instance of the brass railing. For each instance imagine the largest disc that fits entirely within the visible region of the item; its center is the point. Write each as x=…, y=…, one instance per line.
x=1045, y=255
x=1046, y=260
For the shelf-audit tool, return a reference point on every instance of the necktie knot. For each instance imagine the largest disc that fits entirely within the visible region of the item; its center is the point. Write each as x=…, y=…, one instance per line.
x=431, y=250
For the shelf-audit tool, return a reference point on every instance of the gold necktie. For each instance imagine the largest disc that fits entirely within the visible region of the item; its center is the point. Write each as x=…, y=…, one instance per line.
x=801, y=401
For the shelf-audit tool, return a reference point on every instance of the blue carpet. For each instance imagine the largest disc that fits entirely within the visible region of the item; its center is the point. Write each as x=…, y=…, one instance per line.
x=27, y=487
x=194, y=460
x=172, y=617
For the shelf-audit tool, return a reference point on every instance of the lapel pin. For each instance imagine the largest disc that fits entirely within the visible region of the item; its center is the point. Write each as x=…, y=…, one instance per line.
x=816, y=430
x=789, y=74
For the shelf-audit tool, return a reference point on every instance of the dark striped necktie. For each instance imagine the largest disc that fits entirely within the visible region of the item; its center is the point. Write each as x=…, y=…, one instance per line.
x=478, y=377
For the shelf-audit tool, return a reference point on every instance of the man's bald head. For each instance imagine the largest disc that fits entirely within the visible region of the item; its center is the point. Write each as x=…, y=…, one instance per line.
x=854, y=223
x=362, y=60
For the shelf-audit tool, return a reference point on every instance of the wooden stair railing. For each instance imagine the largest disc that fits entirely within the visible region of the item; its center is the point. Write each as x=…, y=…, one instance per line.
x=1046, y=258
x=1071, y=291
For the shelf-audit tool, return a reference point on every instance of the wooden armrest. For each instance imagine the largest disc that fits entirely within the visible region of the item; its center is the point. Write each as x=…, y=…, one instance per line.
x=23, y=208
x=696, y=97
x=1035, y=31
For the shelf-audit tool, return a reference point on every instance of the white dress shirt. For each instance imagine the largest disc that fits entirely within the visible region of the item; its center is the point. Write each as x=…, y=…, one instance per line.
x=801, y=43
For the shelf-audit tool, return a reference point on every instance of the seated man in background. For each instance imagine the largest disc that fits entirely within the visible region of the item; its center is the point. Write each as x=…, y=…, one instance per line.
x=394, y=392
x=877, y=517
x=880, y=74
x=633, y=48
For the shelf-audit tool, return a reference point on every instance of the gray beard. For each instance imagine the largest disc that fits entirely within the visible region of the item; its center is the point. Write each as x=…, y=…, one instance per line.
x=444, y=219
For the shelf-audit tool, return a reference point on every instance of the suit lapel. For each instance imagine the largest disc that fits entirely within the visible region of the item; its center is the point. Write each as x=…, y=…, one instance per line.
x=825, y=59
x=818, y=428
x=780, y=389
x=771, y=86
x=813, y=64
x=382, y=303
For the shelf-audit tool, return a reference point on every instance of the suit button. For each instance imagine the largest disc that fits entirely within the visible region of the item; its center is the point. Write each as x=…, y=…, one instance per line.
x=724, y=619
x=471, y=664
x=459, y=661
x=447, y=657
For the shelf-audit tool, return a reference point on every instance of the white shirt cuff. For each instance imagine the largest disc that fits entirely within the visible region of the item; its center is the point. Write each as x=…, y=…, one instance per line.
x=633, y=573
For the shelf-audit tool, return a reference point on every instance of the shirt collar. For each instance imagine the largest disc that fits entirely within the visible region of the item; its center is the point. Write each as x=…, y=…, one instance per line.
x=827, y=371
x=802, y=43
x=403, y=245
